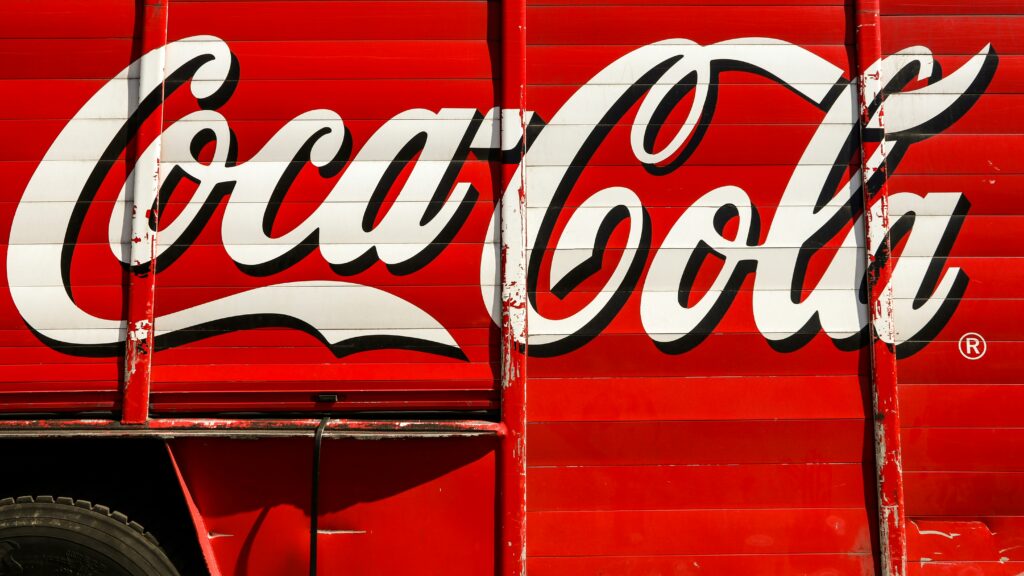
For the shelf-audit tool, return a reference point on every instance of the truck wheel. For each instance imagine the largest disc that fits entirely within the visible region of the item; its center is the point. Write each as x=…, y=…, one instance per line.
x=45, y=536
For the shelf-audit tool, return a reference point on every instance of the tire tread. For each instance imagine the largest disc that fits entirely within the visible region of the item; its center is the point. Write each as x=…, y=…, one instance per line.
x=114, y=515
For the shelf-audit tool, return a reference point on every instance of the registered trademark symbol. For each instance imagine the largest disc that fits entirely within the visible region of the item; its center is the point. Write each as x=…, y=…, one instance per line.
x=972, y=346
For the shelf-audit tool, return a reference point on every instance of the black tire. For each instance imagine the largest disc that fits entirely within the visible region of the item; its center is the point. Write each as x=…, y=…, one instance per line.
x=48, y=536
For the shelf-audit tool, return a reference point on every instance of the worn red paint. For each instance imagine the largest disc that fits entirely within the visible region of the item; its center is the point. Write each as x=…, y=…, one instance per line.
x=513, y=294
x=886, y=417
x=142, y=277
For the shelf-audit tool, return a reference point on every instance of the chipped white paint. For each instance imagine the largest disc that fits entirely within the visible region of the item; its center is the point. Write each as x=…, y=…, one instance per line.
x=1004, y=550
x=950, y=535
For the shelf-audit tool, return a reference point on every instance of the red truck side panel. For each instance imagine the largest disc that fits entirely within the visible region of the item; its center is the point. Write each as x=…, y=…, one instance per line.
x=686, y=306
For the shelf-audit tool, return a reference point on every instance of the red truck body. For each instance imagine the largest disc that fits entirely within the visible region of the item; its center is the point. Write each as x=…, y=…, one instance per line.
x=559, y=287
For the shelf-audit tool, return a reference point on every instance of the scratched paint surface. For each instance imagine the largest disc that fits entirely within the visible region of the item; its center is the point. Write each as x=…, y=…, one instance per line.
x=699, y=382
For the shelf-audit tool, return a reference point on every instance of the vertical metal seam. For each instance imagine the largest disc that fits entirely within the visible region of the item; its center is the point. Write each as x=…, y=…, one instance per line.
x=142, y=274
x=514, y=330
x=885, y=403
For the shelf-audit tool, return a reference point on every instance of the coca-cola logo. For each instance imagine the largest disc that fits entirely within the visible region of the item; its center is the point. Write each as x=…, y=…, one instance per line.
x=821, y=202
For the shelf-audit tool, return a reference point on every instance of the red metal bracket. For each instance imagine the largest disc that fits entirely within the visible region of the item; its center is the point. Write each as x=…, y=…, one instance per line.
x=202, y=534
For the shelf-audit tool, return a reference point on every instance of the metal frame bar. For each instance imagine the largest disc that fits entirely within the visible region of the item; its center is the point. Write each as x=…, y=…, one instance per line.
x=885, y=402
x=249, y=428
x=145, y=193
x=513, y=289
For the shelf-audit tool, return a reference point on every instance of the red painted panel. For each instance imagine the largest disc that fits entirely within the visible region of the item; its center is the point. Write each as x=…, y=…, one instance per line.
x=958, y=154
x=673, y=442
x=994, y=568
x=408, y=506
x=47, y=58
x=962, y=405
x=435, y=497
x=749, y=3
x=959, y=449
x=991, y=194
x=645, y=24
x=43, y=60
x=682, y=532
x=404, y=59
x=574, y=65
x=712, y=358
x=835, y=564
x=286, y=372
x=985, y=541
x=349, y=20
x=688, y=487
x=70, y=19
x=706, y=398
x=948, y=34
x=943, y=364
x=913, y=7
x=964, y=494
x=258, y=515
